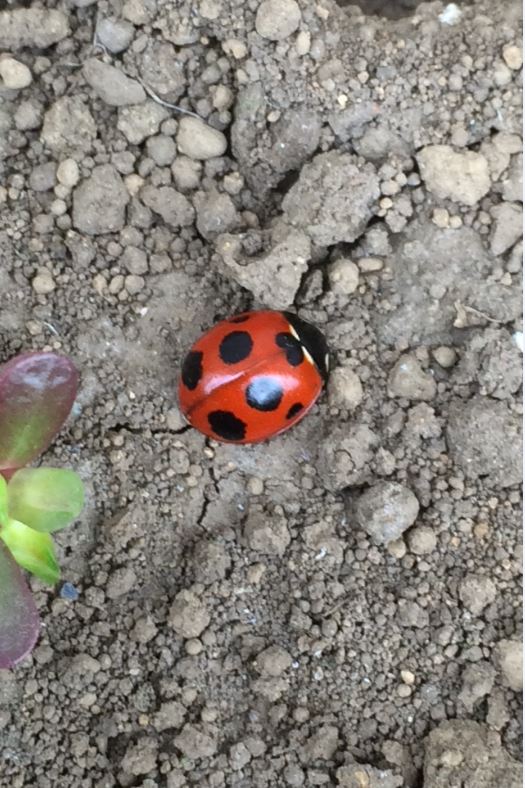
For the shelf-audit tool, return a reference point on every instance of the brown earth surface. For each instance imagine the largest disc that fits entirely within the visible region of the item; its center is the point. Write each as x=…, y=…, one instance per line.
x=340, y=606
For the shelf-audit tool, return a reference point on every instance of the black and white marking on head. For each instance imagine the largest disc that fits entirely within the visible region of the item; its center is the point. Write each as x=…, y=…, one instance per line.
x=225, y=424
x=292, y=347
x=313, y=342
x=294, y=410
x=235, y=347
x=192, y=369
x=264, y=393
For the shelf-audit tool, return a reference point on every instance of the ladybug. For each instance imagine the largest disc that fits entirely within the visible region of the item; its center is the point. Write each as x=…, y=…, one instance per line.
x=253, y=376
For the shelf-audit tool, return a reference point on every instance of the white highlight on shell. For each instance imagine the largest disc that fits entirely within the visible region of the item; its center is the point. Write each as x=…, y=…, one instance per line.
x=308, y=356
x=518, y=339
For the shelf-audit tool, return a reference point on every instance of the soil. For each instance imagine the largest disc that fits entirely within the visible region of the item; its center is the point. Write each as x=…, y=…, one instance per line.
x=340, y=606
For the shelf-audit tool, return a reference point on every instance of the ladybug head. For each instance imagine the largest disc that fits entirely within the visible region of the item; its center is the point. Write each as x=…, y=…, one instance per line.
x=313, y=342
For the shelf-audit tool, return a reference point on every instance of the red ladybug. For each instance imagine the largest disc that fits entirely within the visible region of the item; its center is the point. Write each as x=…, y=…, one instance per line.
x=253, y=376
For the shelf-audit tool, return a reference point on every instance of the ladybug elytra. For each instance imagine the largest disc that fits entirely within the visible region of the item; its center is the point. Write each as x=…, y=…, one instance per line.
x=253, y=376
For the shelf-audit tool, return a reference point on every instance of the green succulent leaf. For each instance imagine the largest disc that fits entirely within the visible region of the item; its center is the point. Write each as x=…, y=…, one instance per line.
x=37, y=391
x=19, y=621
x=45, y=499
x=3, y=500
x=31, y=550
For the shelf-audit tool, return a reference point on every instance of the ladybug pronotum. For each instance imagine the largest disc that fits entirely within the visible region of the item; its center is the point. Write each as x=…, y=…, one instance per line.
x=253, y=376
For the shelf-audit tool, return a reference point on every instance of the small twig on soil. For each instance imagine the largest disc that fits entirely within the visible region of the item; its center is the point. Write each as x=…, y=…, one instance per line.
x=462, y=309
x=52, y=328
x=163, y=103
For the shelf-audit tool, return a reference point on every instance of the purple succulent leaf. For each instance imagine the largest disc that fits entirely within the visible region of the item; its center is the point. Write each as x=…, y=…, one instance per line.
x=37, y=391
x=19, y=619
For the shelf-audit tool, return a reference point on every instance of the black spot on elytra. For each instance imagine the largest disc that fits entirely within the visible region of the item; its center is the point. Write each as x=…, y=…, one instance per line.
x=226, y=425
x=294, y=410
x=292, y=347
x=240, y=319
x=235, y=347
x=192, y=369
x=313, y=341
x=264, y=393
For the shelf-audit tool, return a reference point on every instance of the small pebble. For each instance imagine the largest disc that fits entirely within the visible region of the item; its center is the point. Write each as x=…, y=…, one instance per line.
x=422, y=540
x=111, y=84
x=343, y=276
x=397, y=548
x=68, y=591
x=193, y=647
x=441, y=217
x=197, y=140
x=236, y=48
x=134, y=284
x=445, y=356
x=15, y=75
x=509, y=659
x=370, y=264
x=68, y=173
x=513, y=56
x=43, y=282
x=303, y=42
x=162, y=149
x=58, y=208
x=277, y=19
x=115, y=34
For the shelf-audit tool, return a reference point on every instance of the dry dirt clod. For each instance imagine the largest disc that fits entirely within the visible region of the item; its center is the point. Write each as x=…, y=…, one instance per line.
x=478, y=680
x=386, y=510
x=408, y=380
x=32, y=27
x=99, y=202
x=188, y=615
x=68, y=126
x=266, y=534
x=273, y=661
x=275, y=276
x=139, y=122
x=508, y=226
x=175, y=208
x=476, y=592
x=195, y=742
x=461, y=177
x=111, y=84
x=467, y=753
x=508, y=656
x=344, y=388
x=483, y=436
x=334, y=198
